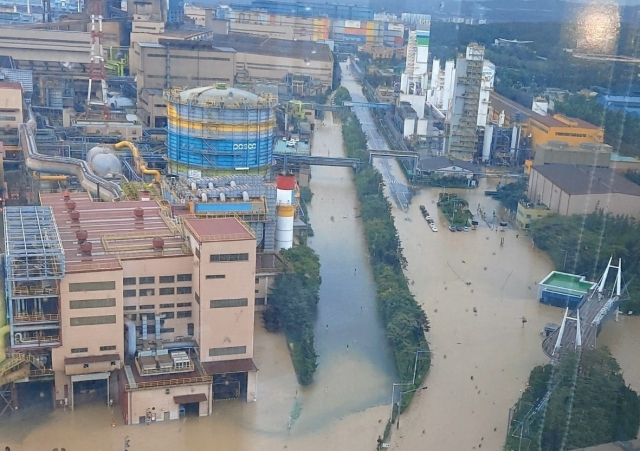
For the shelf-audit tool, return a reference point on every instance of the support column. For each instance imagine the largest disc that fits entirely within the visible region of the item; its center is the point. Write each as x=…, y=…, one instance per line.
x=252, y=386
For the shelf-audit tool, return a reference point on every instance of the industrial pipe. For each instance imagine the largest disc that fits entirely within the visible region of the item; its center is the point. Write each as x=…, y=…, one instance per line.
x=51, y=178
x=140, y=164
x=131, y=337
x=35, y=161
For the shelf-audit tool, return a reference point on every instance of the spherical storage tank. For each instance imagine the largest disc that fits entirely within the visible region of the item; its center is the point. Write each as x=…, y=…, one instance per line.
x=217, y=127
x=103, y=162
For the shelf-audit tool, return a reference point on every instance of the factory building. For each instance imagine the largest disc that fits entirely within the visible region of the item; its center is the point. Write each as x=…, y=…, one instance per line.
x=306, y=9
x=569, y=189
x=543, y=128
x=219, y=128
x=11, y=113
x=155, y=310
x=231, y=59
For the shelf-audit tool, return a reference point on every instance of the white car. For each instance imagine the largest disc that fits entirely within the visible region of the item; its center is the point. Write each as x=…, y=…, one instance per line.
x=434, y=228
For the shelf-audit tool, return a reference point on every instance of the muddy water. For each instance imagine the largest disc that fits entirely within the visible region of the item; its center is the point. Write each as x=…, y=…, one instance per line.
x=481, y=358
x=347, y=406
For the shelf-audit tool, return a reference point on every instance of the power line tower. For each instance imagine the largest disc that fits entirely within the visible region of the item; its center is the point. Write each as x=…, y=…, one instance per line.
x=96, y=65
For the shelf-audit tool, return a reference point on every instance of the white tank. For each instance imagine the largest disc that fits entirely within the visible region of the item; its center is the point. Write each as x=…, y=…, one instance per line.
x=106, y=165
x=95, y=151
x=193, y=186
x=284, y=226
x=204, y=197
x=222, y=197
x=210, y=185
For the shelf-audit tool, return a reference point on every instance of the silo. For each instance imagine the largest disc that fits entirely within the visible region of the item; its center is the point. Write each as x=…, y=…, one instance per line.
x=217, y=128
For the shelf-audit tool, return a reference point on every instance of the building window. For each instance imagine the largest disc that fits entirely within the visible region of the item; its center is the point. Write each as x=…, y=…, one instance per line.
x=147, y=291
x=184, y=290
x=79, y=350
x=190, y=329
x=184, y=314
x=129, y=307
x=93, y=303
x=129, y=281
x=223, y=303
x=166, y=291
x=197, y=298
x=257, y=281
x=147, y=307
x=184, y=304
x=231, y=350
x=167, y=305
x=184, y=277
x=92, y=286
x=166, y=330
x=129, y=293
x=108, y=348
x=229, y=257
x=257, y=291
x=146, y=280
x=93, y=320
x=216, y=276
x=167, y=279
x=197, y=252
x=133, y=317
x=169, y=315
x=261, y=301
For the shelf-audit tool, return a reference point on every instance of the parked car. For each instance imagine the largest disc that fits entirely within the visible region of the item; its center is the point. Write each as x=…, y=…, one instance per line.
x=466, y=229
x=452, y=228
x=434, y=228
x=459, y=229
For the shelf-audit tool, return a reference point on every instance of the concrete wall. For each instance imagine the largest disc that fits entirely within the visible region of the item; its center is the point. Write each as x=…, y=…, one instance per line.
x=545, y=155
x=11, y=113
x=91, y=337
x=51, y=46
x=141, y=400
x=232, y=326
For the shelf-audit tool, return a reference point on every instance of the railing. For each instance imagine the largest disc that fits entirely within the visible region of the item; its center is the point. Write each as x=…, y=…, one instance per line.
x=36, y=318
x=39, y=340
x=159, y=371
x=172, y=382
x=34, y=291
x=93, y=266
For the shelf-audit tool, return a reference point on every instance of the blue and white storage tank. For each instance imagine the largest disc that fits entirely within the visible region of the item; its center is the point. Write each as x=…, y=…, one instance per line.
x=217, y=128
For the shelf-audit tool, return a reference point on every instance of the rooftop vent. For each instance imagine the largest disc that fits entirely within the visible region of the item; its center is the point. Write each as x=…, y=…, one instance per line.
x=85, y=248
x=71, y=205
x=66, y=195
x=82, y=236
x=138, y=213
x=158, y=244
x=75, y=216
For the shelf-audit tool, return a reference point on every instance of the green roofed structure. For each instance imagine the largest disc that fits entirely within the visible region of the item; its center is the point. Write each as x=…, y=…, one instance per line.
x=564, y=290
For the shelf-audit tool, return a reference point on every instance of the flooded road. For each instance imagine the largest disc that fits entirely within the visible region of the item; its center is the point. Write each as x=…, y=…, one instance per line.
x=475, y=292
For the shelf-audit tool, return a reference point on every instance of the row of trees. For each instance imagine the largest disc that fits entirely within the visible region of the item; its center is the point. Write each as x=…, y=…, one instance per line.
x=292, y=306
x=404, y=319
x=589, y=404
x=455, y=208
x=583, y=245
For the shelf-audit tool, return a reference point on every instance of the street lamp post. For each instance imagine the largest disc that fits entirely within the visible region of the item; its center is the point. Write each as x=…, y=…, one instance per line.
x=415, y=364
x=393, y=397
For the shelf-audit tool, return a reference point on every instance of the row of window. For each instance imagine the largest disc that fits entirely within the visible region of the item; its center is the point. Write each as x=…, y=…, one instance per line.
x=231, y=350
x=229, y=257
x=93, y=320
x=92, y=303
x=167, y=315
x=166, y=291
x=102, y=349
x=92, y=286
x=152, y=279
x=224, y=303
x=152, y=306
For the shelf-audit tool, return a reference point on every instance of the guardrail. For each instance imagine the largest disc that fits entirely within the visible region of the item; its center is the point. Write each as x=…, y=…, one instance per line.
x=171, y=382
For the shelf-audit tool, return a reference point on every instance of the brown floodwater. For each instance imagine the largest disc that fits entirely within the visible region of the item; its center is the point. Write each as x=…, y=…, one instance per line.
x=481, y=359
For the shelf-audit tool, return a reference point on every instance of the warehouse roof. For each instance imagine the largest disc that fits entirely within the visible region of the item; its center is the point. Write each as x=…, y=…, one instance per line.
x=578, y=179
x=511, y=108
x=438, y=163
x=244, y=43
